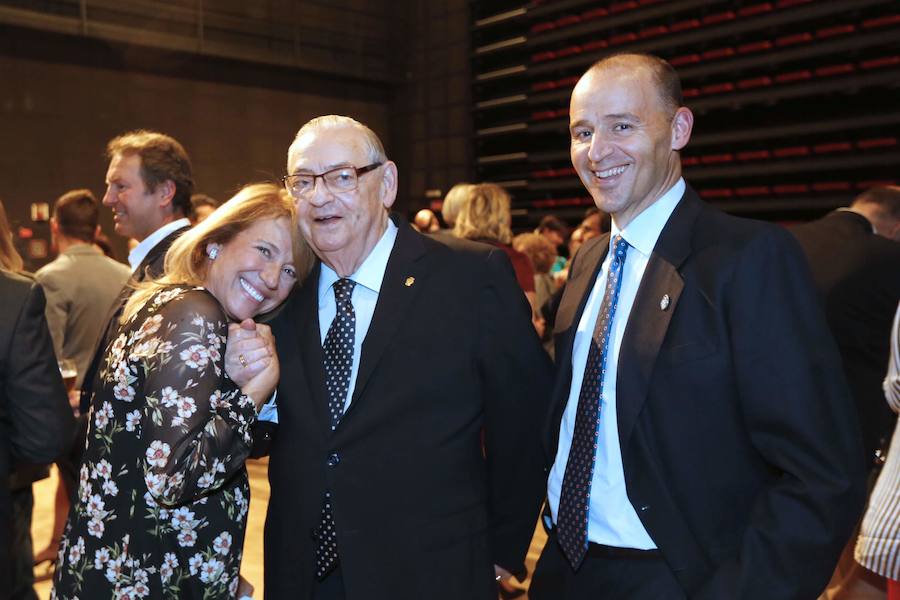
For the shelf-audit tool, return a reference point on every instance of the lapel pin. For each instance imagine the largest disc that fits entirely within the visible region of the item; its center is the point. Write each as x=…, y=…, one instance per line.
x=409, y=281
x=664, y=302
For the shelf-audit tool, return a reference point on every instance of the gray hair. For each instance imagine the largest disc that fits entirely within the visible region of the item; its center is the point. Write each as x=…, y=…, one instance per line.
x=374, y=147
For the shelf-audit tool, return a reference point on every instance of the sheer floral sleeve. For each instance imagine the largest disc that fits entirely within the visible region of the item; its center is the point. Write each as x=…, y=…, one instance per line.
x=195, y=422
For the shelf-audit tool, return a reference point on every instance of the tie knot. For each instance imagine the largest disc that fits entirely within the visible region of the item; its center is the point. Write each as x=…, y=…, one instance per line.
x=343, y=289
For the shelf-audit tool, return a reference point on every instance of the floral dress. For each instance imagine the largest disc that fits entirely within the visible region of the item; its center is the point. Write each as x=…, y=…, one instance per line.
x=163, y=493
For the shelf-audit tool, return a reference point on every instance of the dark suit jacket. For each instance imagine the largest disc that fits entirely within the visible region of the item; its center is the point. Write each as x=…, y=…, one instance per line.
x=424, y=505
x=35, y=419
x=152, y=266
x=739, y=441
x=857, y=274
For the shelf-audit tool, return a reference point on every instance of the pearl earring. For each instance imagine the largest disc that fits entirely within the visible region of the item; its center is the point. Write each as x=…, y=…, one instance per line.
x=213, y=253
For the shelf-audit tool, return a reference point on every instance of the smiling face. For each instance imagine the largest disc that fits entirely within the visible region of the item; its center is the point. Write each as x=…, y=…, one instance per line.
x=342, y=228
x=254, y=272
x=624, y=141
x=137, y=212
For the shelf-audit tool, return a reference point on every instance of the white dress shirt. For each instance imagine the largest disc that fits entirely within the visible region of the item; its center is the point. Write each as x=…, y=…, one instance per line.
x=140, y=252
x=612, y=520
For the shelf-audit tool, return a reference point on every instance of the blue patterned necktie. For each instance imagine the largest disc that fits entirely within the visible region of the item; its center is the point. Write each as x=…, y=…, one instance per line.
x=574, y=499
x=338, y=350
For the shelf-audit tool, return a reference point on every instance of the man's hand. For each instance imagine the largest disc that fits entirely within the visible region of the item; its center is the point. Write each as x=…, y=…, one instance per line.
x=250, y=360
x=503, y=576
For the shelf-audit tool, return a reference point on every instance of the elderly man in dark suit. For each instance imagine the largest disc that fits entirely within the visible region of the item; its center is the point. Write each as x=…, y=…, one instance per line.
x=37, y=423
x=702, y=442
x=854, y=254
x=406, y=463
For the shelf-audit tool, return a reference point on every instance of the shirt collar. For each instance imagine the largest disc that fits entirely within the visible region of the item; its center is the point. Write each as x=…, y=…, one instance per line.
x=369, y=274
x=643, y=231
x=137, y=256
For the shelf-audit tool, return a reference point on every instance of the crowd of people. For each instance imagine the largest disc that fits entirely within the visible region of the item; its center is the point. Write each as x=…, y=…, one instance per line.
x=689, y=403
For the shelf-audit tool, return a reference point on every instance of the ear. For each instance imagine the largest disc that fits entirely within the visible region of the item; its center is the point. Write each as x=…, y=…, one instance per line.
x=165, y=191
x=388, y=184
x=54, y=226
x=682, y=124
x=97, y=232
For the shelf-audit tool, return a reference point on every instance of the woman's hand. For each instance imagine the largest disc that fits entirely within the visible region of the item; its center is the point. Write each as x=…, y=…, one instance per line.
x=251, y=361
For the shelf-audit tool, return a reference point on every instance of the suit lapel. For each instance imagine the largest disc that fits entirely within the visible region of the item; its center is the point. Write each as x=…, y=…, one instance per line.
x=403, y=278
x=650, y=315
x=303, y=319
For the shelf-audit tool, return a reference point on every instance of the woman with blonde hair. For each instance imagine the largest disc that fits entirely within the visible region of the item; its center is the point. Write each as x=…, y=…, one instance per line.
x=484, y=216
x=162, y=502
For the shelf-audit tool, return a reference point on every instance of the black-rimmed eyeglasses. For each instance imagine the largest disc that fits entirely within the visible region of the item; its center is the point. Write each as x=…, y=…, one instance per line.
x=341, y=179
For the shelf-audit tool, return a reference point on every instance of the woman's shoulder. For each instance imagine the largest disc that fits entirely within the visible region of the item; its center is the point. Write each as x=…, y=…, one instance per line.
x=178, y=302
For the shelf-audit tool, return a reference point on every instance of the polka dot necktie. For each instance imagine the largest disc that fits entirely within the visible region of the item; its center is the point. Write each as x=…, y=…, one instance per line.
x=574, y=499
x=338, y=349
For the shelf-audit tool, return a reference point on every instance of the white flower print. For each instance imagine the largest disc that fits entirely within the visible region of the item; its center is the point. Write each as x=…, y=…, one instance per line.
x=196, y=357
x=110, y=488
x=187, y=538
x=158, y=453
x=186, y=407
x=101, y=557
x=132, y=420
x=95, y=506
x=123, y=392
x=76, y=551
x=148, y=327
x=222, y=543
x=195, y=562
x=210, y=570
x=95, y=527
x=168, y=396
x=183, y=518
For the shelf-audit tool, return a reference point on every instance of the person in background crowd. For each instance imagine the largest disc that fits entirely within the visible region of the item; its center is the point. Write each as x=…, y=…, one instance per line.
x=37, y=422
x=702, y=439
x=406, y=460
x=453, y=201
x=854, y=255
x=426, y=221
x=201, y=207
x=162, y=503
x=81, y=285
x=878, y=547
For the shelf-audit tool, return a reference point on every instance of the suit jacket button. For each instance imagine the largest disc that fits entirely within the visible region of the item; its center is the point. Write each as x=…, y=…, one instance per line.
x=333, y=459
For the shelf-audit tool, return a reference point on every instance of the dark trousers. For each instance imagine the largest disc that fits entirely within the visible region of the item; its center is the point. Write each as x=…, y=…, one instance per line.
x=603, y=577
x=21, y=551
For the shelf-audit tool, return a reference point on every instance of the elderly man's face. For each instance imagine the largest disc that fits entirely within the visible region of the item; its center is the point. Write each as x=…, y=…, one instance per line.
x=342, y=228
x=623, y=139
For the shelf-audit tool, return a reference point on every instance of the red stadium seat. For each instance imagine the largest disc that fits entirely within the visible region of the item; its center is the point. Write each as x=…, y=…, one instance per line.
x=794, y=38
x=828, y=32
x=832, y=70
x=755, y=82
x=685, y=25
x=832, y=147
x=719, y=17
x=791, y=188
x=756, y=9
x=885, y=142
x=881, y=21
x=791, y=152
x=754, y=47
x=754, y=155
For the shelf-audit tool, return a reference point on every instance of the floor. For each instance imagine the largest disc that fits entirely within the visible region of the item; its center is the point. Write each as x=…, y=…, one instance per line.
x=252, y=566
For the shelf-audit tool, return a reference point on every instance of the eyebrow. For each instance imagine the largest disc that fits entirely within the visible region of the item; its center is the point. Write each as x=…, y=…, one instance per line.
x=327, y=168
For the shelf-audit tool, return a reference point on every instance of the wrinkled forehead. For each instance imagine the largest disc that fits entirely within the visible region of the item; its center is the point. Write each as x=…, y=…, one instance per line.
x=327, y=147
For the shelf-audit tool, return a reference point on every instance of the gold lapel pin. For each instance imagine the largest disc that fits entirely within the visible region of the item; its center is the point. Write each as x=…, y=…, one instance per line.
x=409, y=281
x=664, y=302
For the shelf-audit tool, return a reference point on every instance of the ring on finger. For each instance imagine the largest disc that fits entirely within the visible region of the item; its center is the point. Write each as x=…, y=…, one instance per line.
x=242, y=360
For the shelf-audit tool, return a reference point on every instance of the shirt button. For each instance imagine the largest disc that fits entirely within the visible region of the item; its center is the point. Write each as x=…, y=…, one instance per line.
x=333, y=459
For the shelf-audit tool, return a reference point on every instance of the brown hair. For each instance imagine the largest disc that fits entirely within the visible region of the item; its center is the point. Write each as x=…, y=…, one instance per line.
x=162, y=159
x=668, y=84
x=538, y=248
x=77, y=213
x=186, y=260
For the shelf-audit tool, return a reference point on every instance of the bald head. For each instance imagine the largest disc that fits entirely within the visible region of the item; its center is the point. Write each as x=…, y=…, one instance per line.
x=666, y=80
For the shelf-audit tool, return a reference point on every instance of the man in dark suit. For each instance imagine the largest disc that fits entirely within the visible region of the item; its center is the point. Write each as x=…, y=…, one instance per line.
x=148, y=186
x=36, y=420
x=854, y=255
x=702, y=443
x=407, y=460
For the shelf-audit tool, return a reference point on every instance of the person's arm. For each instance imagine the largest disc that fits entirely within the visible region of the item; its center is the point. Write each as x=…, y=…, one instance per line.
x=42, y=423
x=197, y=423
x=799, y=417
x=517, y=377
x=892, y=380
